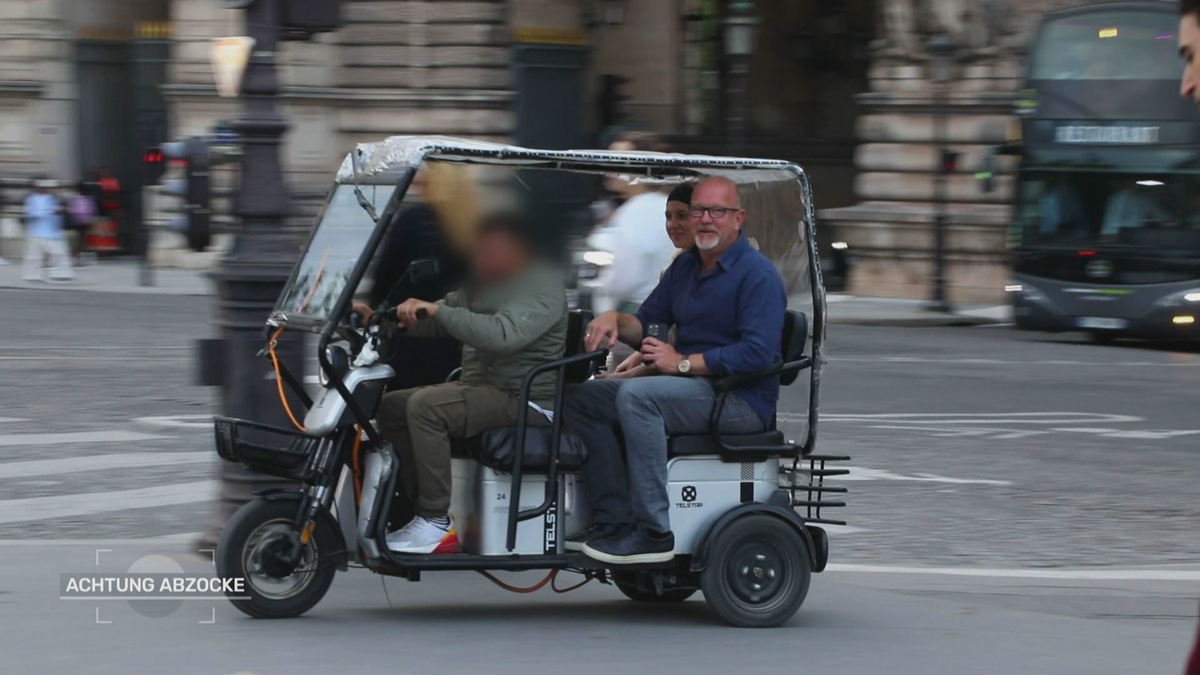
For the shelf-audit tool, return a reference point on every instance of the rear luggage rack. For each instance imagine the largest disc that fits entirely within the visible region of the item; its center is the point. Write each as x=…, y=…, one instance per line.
x=807, y=485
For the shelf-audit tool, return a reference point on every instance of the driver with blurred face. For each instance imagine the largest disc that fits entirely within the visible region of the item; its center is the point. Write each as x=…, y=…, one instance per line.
x=510, y=317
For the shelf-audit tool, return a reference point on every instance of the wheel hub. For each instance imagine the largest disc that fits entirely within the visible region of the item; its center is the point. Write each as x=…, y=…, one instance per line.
x=756, y=573
x=268, y=564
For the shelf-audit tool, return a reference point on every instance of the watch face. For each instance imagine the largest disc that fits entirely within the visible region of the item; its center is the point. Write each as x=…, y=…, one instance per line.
x=685, y=366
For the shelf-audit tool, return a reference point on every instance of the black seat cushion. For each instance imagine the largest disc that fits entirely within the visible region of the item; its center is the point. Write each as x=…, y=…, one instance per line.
x=702, y=444
x=495, y=448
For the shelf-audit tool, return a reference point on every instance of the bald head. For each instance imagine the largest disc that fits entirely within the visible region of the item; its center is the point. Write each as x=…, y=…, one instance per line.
x=720, y=188
x=717, y=215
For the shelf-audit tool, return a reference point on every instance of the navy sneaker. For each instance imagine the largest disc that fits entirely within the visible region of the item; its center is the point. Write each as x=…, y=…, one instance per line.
x=636, y=546
x=594, y=531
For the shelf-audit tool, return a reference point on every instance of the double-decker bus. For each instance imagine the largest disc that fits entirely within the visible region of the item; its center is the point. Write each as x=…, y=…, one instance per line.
x=1106, y=227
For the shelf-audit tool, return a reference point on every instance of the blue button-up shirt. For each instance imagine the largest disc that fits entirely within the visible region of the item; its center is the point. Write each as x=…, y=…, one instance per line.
x=732, y=315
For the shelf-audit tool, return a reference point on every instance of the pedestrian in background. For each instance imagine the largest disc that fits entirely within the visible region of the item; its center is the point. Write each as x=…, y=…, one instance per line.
x=82, y=208
x=440, y=225
x=44, y=233
x=639, y=245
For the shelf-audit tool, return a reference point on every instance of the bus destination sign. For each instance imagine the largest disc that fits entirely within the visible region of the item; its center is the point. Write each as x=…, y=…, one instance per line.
x=1106, y=135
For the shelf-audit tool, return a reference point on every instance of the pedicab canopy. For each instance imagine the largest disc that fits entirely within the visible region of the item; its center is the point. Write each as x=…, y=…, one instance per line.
x=373, y=178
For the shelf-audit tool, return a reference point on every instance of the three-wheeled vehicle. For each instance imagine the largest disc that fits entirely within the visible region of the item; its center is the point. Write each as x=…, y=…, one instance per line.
x=746, y=509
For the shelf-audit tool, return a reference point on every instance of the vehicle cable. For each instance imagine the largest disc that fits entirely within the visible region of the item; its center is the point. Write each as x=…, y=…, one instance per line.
x=587, y=578
x=518, y=589
x=274, y=338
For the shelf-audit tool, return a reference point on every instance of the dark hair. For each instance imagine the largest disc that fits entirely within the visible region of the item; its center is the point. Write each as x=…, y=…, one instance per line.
x=644, y=141
x=681, y=193
x=1189, y=7
x=509, y=224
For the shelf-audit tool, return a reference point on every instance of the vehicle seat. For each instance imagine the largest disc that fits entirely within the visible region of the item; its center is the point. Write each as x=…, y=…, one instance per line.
x=766, y=444
x=495, y=448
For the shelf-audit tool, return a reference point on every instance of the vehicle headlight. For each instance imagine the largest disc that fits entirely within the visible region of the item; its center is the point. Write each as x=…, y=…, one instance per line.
x=599, y=258
x=1179, y=298
x=1028, y=293
x=338, y=360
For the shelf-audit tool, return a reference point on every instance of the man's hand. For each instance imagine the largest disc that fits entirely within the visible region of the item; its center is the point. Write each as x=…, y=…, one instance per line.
x=602, y=331
x=660, y=356
x=630, y=367
x=406, y=312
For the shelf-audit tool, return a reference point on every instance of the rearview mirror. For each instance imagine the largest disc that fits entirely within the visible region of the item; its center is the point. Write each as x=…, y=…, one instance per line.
x=423, y=270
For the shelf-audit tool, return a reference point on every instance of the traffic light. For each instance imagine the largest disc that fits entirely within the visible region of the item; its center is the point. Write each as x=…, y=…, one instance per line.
x=153, y=165
x=193, y=189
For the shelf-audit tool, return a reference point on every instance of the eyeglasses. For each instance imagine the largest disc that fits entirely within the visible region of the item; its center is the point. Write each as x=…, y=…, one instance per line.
x=717, y=212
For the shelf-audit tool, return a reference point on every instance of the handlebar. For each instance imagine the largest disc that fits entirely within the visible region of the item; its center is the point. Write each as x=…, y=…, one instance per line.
x=390, y=312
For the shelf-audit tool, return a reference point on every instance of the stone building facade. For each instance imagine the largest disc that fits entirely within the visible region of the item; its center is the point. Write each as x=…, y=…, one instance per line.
x=839, y=87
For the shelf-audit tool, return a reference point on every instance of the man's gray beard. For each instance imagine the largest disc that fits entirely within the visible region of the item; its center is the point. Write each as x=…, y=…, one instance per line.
x=708, y=247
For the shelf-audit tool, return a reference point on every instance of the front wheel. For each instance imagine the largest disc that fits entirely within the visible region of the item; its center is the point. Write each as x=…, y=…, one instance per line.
x=256, y=545
x=758, y=572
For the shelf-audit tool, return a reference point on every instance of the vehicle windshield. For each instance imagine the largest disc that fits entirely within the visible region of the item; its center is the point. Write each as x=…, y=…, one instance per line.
x=1108, y=45
x=338, y=240
x=1093, y=209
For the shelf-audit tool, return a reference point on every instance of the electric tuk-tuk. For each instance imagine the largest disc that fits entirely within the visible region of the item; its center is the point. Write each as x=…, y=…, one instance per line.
x=746, y=510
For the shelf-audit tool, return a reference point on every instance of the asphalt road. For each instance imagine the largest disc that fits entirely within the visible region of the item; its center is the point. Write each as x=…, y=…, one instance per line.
x=1018, y=504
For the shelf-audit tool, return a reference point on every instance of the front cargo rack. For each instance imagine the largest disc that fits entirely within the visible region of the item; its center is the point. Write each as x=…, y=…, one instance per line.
x=285, y=453
x=808, y=489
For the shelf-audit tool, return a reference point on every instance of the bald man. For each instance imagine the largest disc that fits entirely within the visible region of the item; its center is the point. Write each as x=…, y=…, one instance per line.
x=727, y=303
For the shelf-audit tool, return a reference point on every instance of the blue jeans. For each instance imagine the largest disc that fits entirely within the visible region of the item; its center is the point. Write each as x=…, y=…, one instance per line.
x=646, y=410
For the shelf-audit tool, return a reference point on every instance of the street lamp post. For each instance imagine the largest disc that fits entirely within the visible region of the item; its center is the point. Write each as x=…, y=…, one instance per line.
x=740, y=33
x=942, y=51
x=252, y=274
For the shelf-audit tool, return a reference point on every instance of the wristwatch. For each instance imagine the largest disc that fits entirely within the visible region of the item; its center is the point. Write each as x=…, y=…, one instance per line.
x=684, y=365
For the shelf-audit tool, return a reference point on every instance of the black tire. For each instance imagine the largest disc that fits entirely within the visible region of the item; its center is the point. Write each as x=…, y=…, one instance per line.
x=1103, y=338
x=639, y=587
x=758, y=572
x=253, y=530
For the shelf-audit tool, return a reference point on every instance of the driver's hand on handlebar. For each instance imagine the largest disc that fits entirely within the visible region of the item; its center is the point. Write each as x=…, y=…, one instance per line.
x=601, y=332
x=407, y=311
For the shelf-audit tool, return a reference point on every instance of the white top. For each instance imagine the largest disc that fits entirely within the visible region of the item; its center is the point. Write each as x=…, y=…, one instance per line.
x=640, y=248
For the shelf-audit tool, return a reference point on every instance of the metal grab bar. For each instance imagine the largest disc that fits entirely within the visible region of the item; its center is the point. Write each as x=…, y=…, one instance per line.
x=515, y=515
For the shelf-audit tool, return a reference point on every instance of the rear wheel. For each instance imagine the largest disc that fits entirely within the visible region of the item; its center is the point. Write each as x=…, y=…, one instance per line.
x=639, y=587
x=758, y=572
x=255, y=546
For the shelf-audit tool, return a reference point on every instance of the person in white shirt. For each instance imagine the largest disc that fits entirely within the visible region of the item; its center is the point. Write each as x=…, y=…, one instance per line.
x=44, y=220
x=635, y=238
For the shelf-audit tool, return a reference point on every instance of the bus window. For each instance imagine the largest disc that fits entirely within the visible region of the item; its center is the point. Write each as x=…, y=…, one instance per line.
x=1115, y=45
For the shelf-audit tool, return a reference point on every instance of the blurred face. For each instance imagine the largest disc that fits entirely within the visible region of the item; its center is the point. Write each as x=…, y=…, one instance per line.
x=496, y=256
x=679, y=225
x=717, y=215
x=1189, y=49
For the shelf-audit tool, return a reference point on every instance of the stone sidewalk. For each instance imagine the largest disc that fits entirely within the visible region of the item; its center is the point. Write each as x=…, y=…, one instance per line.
x=122, y=276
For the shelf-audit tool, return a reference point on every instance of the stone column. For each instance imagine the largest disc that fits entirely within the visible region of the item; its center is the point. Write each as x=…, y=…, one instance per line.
x=891, y=231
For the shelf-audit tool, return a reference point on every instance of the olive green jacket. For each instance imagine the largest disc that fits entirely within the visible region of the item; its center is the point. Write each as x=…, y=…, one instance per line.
x=506, y=330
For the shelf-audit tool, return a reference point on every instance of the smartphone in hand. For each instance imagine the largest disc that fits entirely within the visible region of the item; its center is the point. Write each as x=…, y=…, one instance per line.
x=658, y=331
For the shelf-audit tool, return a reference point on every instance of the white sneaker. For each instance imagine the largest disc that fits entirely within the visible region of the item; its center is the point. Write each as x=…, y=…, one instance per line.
x=422, y=535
